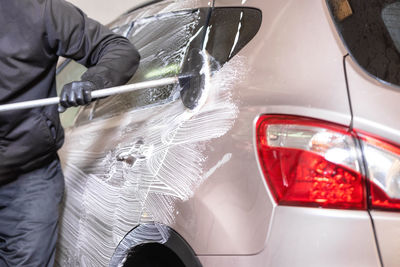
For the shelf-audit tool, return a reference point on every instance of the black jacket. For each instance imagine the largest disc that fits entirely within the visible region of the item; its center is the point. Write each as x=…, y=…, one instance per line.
x=33, y=34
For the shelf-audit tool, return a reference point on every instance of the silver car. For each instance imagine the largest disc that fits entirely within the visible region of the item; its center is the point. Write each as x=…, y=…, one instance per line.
x=289, y=157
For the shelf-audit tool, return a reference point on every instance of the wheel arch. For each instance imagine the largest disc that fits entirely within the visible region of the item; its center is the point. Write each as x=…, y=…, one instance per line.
x=149, y=237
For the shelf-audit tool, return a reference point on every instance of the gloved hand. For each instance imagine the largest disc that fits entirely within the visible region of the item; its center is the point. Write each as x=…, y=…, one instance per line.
x=75, y=94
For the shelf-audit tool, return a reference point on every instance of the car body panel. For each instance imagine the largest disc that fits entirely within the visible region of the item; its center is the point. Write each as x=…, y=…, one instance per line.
x=388, y=235
x=231, y=219
x=306, y=74
x=316, y=237
x=340, y=238
x=368, y=96
x=234, y=193
x=278, y=91
x=102, y=203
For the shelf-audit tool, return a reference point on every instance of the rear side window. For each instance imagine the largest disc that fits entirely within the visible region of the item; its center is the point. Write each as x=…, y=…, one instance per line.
x=162, y=41
x=371, y=31
x=231, y=28
x=70, y=71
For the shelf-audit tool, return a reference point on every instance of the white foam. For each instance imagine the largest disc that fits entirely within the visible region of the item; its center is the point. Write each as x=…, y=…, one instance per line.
x=130, y=169
x=106, y=198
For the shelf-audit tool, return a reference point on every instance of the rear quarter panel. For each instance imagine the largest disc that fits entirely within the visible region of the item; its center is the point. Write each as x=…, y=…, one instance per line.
x=295, y=66
x=376, y=108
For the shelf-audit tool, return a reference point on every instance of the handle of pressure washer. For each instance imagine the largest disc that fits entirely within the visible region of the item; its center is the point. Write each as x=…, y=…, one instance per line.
x=95, y=94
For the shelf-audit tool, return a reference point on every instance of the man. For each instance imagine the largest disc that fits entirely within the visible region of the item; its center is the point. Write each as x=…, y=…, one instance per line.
x=33, y=34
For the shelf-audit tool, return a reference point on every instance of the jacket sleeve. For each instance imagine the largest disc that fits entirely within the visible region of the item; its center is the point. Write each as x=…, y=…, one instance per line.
x=110, y=58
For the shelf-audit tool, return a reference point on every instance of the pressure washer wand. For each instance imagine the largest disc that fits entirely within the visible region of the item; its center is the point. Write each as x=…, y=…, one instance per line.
x=95, y=94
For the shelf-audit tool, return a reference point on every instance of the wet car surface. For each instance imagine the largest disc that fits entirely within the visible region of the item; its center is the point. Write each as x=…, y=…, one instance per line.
x=285, y=161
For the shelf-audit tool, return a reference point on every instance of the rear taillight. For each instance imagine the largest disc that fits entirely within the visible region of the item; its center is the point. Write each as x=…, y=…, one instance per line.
x=314, y=163
x=308, y=162
x=383, y=171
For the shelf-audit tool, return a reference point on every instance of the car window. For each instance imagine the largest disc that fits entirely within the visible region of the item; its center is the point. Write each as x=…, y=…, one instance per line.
x=370, y=30
x=70, y=71
x=163, y=42
x=231, y=28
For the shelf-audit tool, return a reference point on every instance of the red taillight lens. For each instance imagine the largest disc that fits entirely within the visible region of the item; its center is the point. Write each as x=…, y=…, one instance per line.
x=383, y=170
x=308, y=162
x=380, y=200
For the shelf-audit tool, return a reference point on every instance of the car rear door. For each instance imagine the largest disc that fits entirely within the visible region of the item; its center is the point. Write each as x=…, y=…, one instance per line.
x=132, y=158
x=115, y=148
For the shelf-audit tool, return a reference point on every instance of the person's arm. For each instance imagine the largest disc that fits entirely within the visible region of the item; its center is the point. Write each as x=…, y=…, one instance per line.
x=111, y=58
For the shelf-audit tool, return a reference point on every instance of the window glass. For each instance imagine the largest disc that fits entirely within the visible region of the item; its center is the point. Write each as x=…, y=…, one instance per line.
x=371, y=31
x=230, y=30
x=70, y=71
x=163, y=42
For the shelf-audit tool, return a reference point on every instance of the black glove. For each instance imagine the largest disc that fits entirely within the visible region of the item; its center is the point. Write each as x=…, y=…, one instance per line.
x=75, y=94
